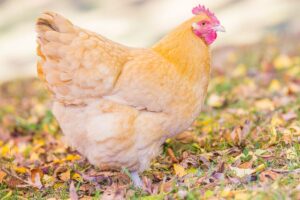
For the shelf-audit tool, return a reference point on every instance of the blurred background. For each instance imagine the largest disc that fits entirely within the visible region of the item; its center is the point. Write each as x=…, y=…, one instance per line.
x=138, y=23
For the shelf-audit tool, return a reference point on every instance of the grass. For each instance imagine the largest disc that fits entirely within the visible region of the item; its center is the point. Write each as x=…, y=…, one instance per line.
x=244, y=145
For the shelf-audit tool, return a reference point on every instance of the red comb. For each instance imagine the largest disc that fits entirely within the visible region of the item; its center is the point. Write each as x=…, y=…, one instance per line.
x=201, y=9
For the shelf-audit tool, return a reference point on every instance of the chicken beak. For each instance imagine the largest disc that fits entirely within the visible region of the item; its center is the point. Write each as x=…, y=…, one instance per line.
x=219, y=28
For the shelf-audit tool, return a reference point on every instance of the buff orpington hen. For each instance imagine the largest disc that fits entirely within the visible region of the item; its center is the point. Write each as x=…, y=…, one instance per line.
x=117, y=105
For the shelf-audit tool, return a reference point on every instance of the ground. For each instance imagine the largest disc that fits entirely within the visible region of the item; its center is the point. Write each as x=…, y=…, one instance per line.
x=244, y=145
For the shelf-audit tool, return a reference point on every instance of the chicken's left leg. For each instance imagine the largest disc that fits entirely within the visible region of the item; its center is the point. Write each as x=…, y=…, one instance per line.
x=136, y=179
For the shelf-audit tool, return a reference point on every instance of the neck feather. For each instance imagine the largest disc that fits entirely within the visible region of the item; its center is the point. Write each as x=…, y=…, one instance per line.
x=189, y=54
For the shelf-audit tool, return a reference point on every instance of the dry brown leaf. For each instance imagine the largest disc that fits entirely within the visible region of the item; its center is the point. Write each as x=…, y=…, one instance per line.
x=2, y=176
x=13, y=182
x=268, y=175
x=65, y=176
x=166, y=186
x=113, y=193
x=172, y=155
x=246, y=165
x=239, y=134
x=36, y=177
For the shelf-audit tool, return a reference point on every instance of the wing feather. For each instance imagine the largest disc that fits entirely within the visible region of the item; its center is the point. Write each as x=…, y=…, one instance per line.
x=76, y=64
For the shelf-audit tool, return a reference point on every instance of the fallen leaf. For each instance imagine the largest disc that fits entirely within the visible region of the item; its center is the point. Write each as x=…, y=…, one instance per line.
x=277, y=121
x=268, y=175
x=36, y=177
x=246, y=165
x=2, y=176
x=226, y=193
x=179, y=170
x=291, y=154
x=242, y=172
x=13, y=182
x=21, y=170
x=77, y=177
x=282, y=61
x=65, y=176
x=241, y=196
x=260, y=168
x=73, y=157
x=274, y=86
x=239, y=134
x=166, y=186
x=113, y=193
x=273, y=135
x=172, y=155
x=48, y=180
x=265, y=104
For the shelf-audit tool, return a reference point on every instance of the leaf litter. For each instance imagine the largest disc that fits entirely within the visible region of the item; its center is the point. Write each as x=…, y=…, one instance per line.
x=244, y=145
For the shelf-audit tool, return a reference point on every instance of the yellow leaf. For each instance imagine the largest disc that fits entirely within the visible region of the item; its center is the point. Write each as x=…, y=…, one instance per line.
x=241, y=196
x=273, y=138
x=277, y=121
x=260, y=168
x=274, y=85
x=226, y=193
x=34, y=156
x=77, y=177
x=282, y=61
x=5, y=150
x=72, y=157
x=264, y=104
x=179, y=170
x=21, y=170
x=58, y=185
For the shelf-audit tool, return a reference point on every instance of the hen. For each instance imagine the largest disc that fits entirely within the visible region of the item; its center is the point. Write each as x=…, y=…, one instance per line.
x=116, y=105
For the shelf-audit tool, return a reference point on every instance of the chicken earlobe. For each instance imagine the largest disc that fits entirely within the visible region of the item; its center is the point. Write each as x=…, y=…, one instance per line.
x=76, y=64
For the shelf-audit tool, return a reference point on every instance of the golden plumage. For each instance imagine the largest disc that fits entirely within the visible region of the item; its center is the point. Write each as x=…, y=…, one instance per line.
x=115, y=104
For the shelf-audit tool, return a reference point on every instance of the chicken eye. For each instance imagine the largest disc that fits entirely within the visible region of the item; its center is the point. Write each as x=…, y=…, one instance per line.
x=203, y=23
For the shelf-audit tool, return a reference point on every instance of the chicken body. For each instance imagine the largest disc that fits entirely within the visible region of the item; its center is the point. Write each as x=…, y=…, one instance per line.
x=116, y=105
